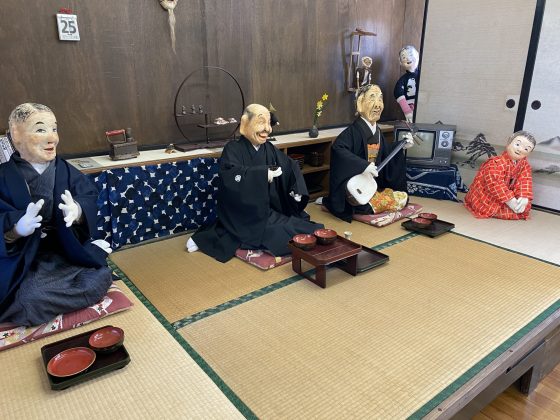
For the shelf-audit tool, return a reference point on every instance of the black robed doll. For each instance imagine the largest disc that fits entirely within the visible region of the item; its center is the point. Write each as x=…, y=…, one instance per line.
x=356, y=152
x=261, y=195
x=50, y=261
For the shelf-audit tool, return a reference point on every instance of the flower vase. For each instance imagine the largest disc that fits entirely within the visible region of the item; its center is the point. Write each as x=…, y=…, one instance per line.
x=313, y=132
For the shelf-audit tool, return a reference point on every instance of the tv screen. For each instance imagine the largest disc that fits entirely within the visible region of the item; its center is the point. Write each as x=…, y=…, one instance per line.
x=424, y=150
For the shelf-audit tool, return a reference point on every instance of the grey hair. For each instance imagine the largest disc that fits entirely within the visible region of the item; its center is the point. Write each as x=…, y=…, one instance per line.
x=522, y=133
x=409, y=48
x=22, y=112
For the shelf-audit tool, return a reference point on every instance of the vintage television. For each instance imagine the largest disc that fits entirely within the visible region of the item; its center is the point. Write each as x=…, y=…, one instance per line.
x=435, y=148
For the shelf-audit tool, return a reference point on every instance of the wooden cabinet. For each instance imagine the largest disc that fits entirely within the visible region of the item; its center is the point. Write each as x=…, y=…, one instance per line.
x=316, y=166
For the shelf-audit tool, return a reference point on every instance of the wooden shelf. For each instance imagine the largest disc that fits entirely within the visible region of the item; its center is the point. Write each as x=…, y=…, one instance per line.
x=308, y=169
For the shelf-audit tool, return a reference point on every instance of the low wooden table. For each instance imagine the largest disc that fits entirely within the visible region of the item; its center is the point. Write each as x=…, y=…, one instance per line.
x=341, y=249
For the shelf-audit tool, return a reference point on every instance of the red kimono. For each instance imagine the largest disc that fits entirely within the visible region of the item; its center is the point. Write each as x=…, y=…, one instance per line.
x=498, y=180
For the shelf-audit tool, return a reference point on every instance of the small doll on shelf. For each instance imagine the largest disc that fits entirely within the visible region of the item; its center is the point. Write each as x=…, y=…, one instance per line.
x=363, y=74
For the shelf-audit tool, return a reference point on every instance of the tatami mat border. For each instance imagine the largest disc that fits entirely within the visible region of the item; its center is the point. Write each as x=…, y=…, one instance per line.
x=469, y=374
x=268, y=289
x=226, y=390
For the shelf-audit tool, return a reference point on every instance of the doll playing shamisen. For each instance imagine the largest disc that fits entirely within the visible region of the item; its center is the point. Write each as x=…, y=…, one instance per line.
x=503, y=186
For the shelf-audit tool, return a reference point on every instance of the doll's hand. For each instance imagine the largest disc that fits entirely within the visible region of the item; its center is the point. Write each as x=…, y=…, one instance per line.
x=274, y=173
x=70, y=209
x=295, y=196
x=104, y=245
x=521, y=204
x=30, y=220
x=372, y=170
x=513, y=204
x=409, y=141
x=408, y=117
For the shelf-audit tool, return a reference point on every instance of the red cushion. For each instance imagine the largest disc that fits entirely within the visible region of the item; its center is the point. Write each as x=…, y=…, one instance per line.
x=114, y=301
x=388, y=217
x=385, y=218
x=261, y=259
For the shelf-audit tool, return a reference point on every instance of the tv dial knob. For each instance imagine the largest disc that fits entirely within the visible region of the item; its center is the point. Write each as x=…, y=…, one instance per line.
x=444, y=143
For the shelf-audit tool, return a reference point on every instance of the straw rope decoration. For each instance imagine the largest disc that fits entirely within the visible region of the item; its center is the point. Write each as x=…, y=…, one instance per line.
x=169, y=5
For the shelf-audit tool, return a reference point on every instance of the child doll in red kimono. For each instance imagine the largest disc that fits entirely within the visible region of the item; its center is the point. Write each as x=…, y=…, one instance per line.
x=503, y=186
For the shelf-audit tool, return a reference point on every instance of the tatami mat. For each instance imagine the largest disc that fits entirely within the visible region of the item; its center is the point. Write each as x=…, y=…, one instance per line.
x=161, y=382
x=539, y=236
x=382, y=344
x=180, y=284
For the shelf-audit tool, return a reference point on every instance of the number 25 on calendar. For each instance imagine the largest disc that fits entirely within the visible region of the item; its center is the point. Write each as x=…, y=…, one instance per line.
x=67, y=27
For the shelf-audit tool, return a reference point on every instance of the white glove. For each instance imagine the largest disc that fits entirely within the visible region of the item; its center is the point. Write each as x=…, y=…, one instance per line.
x=30, y=220
x=409, y=141
x=371, y=169
x=274, y=173
x=513, y=204
x=104, y=245
x=521, y=204
x=409, y=117
x=71, y=210
x=295, y=196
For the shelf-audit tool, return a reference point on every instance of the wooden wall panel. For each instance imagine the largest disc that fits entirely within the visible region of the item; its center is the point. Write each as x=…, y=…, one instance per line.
x=123, y=72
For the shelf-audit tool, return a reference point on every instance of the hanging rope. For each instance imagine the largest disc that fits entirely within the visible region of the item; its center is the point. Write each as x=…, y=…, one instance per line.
x=169, y=5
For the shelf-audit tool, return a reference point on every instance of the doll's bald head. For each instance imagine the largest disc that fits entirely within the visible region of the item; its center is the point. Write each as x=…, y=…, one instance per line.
x=255, y=124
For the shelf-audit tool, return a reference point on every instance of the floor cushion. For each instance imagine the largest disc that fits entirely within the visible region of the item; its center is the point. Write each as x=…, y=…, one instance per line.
x=262, y=259
x=114, y=301
x=388, y=217
x=385, y=218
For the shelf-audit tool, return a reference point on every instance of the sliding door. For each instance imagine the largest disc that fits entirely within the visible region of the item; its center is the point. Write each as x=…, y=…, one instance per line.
x=543, y=108
x=472, y=66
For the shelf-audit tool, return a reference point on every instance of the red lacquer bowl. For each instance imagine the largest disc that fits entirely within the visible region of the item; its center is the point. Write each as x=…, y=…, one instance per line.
x=71, y=362
x=325, y=236
x=106, y=339
x=429, y=216
x=304, y=241
x=421, y=222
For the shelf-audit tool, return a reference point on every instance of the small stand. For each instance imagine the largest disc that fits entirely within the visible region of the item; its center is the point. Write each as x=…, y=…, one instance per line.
x=343, y=251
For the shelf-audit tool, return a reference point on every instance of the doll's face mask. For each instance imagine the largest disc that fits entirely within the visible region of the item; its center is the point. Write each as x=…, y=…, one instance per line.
x=370, y=104
x=519, y=148
x=258, y=128
x=36, y=138
x=409, y=59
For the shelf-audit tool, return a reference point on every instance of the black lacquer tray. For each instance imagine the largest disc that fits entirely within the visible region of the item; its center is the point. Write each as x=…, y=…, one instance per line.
x=436, y=228
x=367, y=259
x=104, y=362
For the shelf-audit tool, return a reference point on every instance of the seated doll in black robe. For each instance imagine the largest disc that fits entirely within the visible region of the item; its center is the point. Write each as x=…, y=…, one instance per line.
x=358, y=149
x=261, y=195
x=49, y=262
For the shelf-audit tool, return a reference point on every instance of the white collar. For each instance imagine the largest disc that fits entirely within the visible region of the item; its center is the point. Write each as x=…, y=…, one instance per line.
x=40, y=167
x=373, y=127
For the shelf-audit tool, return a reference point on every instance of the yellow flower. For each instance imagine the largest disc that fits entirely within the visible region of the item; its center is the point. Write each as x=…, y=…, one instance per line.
x=319, y=108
